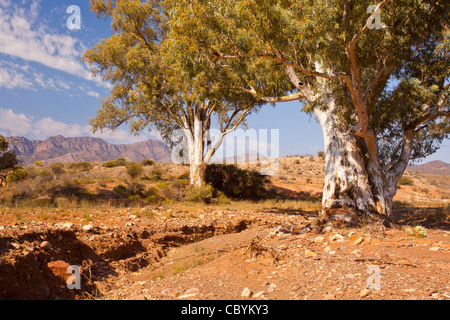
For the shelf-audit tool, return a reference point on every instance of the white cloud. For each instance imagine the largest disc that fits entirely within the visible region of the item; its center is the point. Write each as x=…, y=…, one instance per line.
x=15, y=76
x=26, y=125
x=93, y=94
x=23, y=36
x=15, y=123
x=12, y=79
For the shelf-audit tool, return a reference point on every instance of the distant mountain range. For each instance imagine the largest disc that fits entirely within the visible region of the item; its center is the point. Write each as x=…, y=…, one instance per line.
x=67, y=150
x=432, y=167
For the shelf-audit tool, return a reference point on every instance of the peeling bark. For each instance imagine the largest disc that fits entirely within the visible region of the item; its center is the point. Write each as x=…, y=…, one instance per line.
x=355, y=185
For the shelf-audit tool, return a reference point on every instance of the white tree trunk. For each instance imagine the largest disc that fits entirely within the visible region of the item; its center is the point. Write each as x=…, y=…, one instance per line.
x=196, y=159
x=354, y=186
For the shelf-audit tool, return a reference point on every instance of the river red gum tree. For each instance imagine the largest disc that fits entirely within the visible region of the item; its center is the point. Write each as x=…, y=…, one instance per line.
x=380, y=95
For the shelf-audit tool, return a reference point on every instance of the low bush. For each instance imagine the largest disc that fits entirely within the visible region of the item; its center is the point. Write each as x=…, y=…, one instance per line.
x=17, y=175
x=134, y=169
x=57, y=168
x=235, y=182
x=119, y=162
x=81, y=166
x=405, y=181
x=205, y=193
x=147, y=162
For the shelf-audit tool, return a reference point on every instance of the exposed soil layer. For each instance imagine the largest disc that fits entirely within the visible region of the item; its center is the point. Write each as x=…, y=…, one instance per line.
x=215, y=255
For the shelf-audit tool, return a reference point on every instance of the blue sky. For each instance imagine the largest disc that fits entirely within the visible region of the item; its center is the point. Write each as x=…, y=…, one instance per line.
x=46, y=90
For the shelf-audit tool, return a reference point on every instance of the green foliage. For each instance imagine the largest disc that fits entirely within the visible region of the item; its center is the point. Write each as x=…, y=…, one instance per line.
x=136, y=189
x=3, y=144
x=235, y=182
x=164, y=82
x=81, y=166
x=397, y=74
x=134, y=169
x=121, y=189
x=405, y=181
x=57, y=168
x=119, y=162
x=8, y=160
x=39, y=163
x=17, y=175
x=419, y=232
x=156, y=175
x=203, y=193
x=147, y=162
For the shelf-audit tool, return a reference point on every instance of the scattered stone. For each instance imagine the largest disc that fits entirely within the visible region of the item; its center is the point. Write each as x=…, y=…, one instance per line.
x=310, y=253
x=59, y=268
x=168, y=292
x=192, y=291
x=246, y=293
x=336, y=237
x=270, y=289
x=431, y=292
x=434, y=249
x=327, y=229
x=259, y=294
x=364, y=293
x=68, y=225
x=132, y=216
x=358, y=241
x=319, y=240
x=88, y=227
x=46, y=245
x=327, y=249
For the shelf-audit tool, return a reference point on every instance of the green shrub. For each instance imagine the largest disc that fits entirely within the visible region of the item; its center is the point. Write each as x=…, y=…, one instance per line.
x=81, y=166
x=152, y=191
x=405, y=181
x=57, y=168
x=120, y=189
x=147, y=162
x=235, y=182
x=134, y=169
x=135, y=188
x=156, y=175
x=17, y=175
x=119, y=162
x=204, y=193
x=320, y=154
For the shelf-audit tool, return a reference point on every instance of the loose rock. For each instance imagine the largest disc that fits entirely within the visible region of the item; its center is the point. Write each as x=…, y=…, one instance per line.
x=46, y=245
x=246, y=293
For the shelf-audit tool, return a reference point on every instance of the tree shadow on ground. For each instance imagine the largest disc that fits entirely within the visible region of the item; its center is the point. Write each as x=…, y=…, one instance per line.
x=27, y=275
x=429, y=217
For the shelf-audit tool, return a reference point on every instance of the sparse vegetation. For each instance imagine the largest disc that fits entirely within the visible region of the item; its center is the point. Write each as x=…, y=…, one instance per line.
x=17, y=175
x=237, y=183
x=134, y=170
x=119, y=162
x=147, y=162
x=405, y=181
